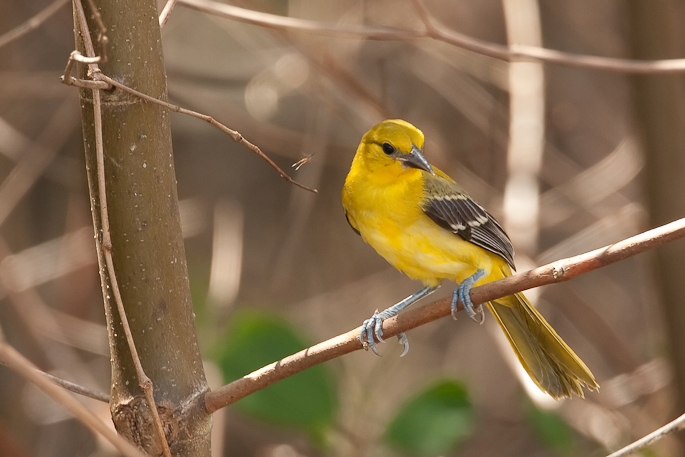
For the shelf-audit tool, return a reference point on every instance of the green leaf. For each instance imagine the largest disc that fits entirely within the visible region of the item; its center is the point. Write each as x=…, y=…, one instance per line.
x=552, y=430
x=306, y=401
x=434, y=422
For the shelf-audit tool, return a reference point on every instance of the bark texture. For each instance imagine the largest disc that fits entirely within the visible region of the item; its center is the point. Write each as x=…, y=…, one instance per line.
x=660, y=107
x=148, y=251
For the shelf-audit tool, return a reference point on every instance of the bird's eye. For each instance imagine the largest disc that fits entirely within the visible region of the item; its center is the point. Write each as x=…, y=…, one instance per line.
x=388, y=148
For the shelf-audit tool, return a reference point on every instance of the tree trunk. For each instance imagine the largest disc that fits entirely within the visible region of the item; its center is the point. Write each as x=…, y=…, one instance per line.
x=148, y=250
x=660, y=107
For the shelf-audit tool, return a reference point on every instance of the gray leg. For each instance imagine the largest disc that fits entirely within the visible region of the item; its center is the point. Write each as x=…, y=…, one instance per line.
x=462, y=293
x=374, y=325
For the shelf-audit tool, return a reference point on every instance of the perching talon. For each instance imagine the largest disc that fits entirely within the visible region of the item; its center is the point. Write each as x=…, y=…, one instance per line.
x=375, y=322
x=477, y=315
x=402, y=338
x=374, y=325
x=462, y=293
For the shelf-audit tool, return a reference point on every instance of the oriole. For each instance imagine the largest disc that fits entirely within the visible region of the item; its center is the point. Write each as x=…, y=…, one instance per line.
x=427, y=226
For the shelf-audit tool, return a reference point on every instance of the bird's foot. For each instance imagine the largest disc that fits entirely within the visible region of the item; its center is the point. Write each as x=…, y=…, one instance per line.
x=462, y=293
x=373, y=327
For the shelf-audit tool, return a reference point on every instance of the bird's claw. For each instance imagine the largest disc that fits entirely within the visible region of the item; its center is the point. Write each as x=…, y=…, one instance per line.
x=477, y=314
x=370, y=327
x=402, y=338
x=374, y=327
x=462, y=293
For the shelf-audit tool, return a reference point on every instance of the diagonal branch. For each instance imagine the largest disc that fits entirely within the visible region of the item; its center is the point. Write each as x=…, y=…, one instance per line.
x=235, y=135
x=77, y=388
x=102, y=81
x=166, y=11
x=519, y=52
x=435, y=32
x=656, y=435
x=559, y=271
x=32, y=23
x=10, y=357
x=277, y=22
x=70, y=386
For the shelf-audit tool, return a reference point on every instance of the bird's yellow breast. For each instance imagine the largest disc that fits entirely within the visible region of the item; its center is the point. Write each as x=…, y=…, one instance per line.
x=386, y=210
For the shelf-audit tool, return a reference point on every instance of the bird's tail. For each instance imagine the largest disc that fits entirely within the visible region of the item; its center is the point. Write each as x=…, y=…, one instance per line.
x=550, y=363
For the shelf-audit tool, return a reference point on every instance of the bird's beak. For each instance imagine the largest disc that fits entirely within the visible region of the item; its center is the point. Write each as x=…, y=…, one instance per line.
x=415, y=159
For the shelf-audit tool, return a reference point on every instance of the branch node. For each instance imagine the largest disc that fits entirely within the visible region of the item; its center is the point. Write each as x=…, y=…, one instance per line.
x=558, y=271
x=145, y=382
x=69, y=80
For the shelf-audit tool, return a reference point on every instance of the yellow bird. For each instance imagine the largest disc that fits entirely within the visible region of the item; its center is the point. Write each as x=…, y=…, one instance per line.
x=427, y=226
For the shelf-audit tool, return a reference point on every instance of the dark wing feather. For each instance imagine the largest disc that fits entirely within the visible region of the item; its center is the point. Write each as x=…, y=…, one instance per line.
x=350, y=222
x=451, y=208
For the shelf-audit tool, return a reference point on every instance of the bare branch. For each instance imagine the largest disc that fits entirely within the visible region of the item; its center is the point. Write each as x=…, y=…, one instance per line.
x=33, y=23
x=100, y=78
x=433, y=31
x=290, y=23
x=105, y=82
x=656, y=435
x=559, y=271
x=85, y=32
x=235, y=135
x=77, y=388
x=102, y=31
x=164, y=15
x=75, y=55
x=10, y=357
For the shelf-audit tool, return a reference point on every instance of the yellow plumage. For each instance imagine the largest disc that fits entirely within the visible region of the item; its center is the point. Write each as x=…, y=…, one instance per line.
x=425, y=225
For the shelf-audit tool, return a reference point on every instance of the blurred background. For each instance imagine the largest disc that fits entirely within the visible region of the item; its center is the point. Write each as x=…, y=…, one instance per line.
x=564, y=157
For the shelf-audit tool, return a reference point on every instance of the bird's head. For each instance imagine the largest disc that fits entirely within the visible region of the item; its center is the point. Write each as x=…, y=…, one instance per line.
x=393, y=146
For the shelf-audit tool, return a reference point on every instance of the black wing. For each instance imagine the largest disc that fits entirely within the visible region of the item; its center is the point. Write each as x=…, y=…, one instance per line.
x=353, y=227
x=451, y=208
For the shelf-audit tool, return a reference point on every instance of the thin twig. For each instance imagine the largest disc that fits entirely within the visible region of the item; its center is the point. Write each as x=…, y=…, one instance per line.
x=33, y=23
x=559, y=271
x=99, y=78
x=85, y=31
x=498, y=51
x=164, y=15
x=143, y=380
x=290, y=23
x=77, y=388
x=39, y=318
x=235, y=135
x=656, y=435
x=302, y=161
x=524, y=52
x=102, y=31
x=105, y=82
x=15, y=361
